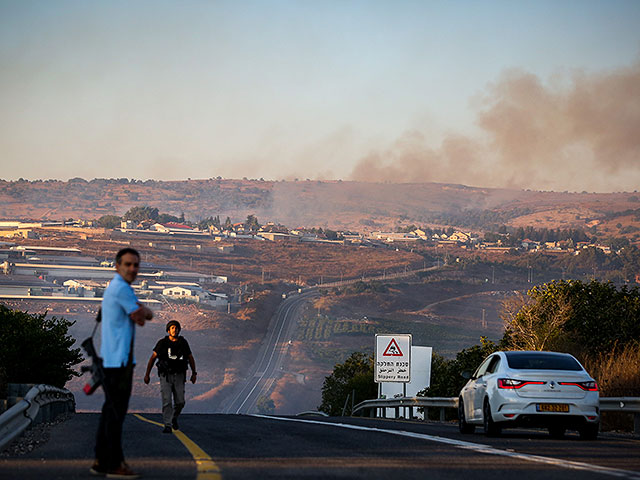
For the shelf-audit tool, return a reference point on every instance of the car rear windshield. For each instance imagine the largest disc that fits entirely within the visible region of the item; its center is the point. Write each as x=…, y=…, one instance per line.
x=541, y=361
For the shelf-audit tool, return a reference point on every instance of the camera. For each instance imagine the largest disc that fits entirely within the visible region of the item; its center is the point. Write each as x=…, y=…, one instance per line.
x=96, y=369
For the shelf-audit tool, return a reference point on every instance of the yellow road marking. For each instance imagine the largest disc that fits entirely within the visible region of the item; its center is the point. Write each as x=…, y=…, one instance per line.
x=206, y=467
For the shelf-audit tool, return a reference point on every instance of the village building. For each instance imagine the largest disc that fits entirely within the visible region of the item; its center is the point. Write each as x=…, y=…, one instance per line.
x=172, y=227
x=83, y=288
x=195, y=294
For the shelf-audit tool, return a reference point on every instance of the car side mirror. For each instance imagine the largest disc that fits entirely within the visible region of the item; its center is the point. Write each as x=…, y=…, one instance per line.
x=466, y=375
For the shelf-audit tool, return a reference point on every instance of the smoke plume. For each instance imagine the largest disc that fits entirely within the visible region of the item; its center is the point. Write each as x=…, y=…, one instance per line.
x=575, y=132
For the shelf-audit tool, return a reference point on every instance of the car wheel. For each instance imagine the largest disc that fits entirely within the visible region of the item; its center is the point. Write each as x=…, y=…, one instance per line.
x=491, y=429
x=463, y=426
x=589, y=431
x=556, y=431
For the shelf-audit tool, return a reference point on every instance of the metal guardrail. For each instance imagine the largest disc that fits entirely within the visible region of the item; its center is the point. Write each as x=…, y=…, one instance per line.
x=406, y=403
x=42, y=403
x=625, y=405
x=607, y=404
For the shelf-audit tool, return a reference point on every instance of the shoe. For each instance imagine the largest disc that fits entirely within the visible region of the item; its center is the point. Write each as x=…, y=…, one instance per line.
x=174, y=424
x=123, y=471
x=97, y=470
x=167, y=429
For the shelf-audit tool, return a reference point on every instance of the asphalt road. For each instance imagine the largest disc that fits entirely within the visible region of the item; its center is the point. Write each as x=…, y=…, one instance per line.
x=266, y=370
x=233, y=447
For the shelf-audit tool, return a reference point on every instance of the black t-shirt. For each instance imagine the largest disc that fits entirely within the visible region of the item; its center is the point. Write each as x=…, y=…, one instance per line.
x=174, y=355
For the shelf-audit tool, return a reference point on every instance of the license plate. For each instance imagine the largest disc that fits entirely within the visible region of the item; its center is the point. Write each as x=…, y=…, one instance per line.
x=552, y=407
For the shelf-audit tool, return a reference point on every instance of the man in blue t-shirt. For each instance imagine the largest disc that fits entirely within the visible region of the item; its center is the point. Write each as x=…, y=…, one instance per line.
x=121, y=310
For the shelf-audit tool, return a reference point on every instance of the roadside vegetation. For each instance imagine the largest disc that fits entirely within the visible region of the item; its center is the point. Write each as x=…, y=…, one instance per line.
x=350, y=383
x=35, y=349
x=596, y=322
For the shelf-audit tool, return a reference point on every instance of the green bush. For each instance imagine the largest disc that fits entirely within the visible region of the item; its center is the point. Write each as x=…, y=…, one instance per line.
x=446, y=375
x=353, y=377
x=36, y=349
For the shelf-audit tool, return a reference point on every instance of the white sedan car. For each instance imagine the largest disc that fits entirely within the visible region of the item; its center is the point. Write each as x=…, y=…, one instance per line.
x=530, y=389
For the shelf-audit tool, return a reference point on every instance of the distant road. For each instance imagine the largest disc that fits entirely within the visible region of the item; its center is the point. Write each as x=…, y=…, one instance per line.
x=377, y=278
x=267, y=368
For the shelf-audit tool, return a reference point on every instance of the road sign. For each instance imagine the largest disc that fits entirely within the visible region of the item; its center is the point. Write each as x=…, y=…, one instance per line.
x=393, y=358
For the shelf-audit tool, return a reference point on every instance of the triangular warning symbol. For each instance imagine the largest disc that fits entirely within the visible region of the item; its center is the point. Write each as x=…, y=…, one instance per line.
x=392, y=350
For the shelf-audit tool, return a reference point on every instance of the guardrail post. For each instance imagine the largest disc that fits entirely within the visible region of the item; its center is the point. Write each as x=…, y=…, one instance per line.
x=636, y=424
x=426, y=413
x=442, y=414
x=397, y=412
x=410, y=413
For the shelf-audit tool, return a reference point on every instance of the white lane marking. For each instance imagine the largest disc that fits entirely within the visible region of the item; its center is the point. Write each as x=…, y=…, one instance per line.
x=478, y=447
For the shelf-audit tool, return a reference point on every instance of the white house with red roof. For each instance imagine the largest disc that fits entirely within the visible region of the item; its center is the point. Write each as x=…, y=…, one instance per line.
x=172, y=227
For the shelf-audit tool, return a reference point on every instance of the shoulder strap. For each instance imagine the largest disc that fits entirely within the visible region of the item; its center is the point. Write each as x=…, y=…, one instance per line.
x=98, y=320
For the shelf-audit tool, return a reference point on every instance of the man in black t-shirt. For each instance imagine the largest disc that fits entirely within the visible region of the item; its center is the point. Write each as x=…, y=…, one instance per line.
x=173, y=354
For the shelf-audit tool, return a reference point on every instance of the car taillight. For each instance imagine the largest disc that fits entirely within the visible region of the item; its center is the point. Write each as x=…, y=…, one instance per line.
x=514, y=384
x=589, y=386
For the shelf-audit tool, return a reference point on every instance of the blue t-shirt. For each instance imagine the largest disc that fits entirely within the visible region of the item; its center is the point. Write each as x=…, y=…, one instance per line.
x=118, y=329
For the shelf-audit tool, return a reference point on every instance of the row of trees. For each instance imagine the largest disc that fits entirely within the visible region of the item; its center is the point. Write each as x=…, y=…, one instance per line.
x=595, y=321
x=137, y=215
x=619, y=267
x=145, y=213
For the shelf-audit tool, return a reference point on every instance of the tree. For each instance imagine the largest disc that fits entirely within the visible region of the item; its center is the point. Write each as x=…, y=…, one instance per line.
x=109, y=221
x=446, y=375
x=534, y=325
x=37, y=349
x=331, y=234
x=167, y=218
x=630, y=260
x=573, y=316
x=265, y=405
x=354, y=376
x=252, y=223
x=205, y=223
x=139, y=214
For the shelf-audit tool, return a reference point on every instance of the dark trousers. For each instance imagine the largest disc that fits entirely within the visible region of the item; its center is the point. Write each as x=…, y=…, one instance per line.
x=117, y=388
x=172, y=389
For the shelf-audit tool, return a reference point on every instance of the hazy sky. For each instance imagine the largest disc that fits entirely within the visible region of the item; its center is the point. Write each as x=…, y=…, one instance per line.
x=529, y=94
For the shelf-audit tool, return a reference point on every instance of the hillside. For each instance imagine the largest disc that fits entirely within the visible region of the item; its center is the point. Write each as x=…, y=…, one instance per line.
x=356, y=206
